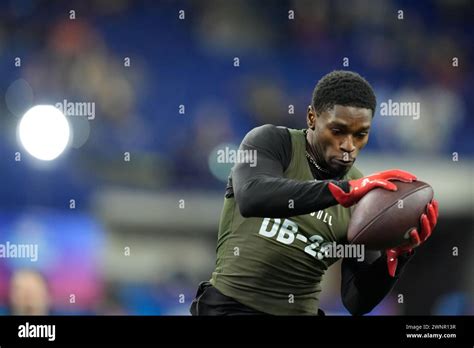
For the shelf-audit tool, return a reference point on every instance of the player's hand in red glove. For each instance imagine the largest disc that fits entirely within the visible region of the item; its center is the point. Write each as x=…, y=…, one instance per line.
x=428, y=223
x=360, y=187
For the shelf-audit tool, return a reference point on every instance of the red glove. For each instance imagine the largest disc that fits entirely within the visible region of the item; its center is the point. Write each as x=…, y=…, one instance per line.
x=428, y=223
x=360, y=187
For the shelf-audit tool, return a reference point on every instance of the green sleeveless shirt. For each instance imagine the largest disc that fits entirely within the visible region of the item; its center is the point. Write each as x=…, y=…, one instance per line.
x=276, y=265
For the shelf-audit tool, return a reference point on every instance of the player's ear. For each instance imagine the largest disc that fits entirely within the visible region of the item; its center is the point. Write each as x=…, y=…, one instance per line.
x=311, y=117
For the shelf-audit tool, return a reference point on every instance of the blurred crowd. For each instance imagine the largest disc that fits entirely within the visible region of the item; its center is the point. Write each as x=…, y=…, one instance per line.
x=159, y=80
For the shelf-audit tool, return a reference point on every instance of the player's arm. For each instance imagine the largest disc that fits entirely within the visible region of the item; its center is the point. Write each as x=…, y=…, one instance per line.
x=364, y=284
x=260, y=188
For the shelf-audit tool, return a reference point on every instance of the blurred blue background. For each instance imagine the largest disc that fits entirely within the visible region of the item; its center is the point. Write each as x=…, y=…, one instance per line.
x=174, y=80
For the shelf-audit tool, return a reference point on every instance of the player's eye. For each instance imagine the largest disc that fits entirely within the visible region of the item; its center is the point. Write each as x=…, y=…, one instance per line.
x=361, y=134
x=336, y=131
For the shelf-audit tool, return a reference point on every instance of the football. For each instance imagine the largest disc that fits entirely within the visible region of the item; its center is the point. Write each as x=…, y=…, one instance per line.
x=383, y=219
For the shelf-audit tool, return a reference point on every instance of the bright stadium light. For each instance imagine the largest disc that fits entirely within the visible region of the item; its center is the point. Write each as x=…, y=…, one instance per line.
x=44, y=132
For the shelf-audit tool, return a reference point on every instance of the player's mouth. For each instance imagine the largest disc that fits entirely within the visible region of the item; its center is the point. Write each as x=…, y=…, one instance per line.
x=345, y=163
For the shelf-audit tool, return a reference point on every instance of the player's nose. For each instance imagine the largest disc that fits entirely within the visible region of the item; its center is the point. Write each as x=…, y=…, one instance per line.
x=347, y=144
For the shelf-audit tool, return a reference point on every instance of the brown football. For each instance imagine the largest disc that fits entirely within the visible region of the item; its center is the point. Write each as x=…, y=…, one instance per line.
x=383, y=219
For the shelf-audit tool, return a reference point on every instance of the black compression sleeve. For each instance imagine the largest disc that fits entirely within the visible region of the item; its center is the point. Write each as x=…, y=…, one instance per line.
x=262, y=191
x=365, y=284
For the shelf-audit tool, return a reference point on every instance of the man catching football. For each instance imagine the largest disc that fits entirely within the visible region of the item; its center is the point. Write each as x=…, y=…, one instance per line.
x=278, y=214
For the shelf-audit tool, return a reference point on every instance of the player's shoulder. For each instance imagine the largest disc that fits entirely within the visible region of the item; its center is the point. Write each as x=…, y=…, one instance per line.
x=267, y=133
x=353, y=174
x=273, y=141
x=268, y=129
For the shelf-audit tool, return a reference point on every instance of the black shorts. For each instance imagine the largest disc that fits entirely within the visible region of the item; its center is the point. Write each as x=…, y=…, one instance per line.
x=210, y=301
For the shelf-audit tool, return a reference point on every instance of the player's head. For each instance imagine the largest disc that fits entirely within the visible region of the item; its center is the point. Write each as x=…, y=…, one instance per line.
x=29, y=293
x=339, y=119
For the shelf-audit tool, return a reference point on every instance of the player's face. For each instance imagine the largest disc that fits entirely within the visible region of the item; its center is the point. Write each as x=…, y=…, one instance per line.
x=339, y=134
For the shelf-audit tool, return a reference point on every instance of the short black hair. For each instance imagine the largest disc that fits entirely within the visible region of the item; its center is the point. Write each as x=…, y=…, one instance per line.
x=345, y=88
